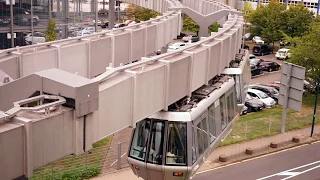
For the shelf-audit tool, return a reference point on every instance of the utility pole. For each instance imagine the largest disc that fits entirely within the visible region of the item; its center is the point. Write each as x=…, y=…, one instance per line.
x=315, y=105
x=11, y=20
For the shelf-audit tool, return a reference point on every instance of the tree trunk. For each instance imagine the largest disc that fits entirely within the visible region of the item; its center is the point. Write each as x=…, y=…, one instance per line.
x=272, y=47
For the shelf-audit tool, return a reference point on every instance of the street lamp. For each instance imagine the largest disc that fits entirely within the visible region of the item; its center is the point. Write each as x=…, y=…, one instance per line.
x=315, y=105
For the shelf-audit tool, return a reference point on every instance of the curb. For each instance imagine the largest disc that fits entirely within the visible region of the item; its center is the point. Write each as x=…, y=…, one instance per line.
x=243, y=157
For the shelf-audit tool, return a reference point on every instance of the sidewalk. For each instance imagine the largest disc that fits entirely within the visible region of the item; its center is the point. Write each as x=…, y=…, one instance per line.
x=234, y=152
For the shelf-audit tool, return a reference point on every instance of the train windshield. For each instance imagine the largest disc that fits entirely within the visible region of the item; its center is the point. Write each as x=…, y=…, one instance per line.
x=140, y=139
x=149, y=140
x=177, y=142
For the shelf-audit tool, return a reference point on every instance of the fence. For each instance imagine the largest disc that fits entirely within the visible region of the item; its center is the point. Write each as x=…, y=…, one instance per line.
x=106, y=156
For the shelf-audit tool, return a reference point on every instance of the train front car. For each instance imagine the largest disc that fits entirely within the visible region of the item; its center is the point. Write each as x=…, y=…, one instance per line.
x=173, y=144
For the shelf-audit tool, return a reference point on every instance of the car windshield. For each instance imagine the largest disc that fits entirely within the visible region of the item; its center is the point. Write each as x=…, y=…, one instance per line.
x=176, y=45
x=262, y=95
x=248, y=97
x=254, y=61
x=282, y=51
x=257, y=38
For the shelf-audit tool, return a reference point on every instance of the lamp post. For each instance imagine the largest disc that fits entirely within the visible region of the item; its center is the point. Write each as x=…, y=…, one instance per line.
x=315, y=105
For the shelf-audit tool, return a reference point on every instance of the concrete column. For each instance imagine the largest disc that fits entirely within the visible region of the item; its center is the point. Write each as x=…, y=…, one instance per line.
x=28, y=145
x=111, y=13
x=203, y=31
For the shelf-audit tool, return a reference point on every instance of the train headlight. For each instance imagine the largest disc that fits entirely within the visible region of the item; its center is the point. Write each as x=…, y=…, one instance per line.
x=177, y=174
x=135, y=167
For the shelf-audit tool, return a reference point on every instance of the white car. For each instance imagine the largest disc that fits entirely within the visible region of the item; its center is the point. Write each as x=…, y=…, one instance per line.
x=283, y=53
x=257, y=94
x=176, y=46
x=38, y=37
x=257, y=40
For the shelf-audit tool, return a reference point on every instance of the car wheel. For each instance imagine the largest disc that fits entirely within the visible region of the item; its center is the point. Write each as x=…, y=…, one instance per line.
x=249, y=110
x=262, y=54
x=270, y=69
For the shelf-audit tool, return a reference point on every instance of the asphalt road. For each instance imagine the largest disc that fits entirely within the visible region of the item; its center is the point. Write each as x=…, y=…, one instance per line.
x=267, y=77
x=299, y=163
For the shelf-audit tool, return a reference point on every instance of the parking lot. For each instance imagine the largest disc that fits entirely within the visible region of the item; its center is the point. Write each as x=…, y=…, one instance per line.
x=268, y=77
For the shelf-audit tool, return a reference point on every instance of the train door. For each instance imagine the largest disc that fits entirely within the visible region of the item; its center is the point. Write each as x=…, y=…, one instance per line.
x=156, y=149
x=202, y=138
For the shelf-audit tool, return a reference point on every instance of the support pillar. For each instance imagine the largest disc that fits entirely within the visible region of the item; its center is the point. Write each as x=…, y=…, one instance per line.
x=111, y=13
x=203, y=31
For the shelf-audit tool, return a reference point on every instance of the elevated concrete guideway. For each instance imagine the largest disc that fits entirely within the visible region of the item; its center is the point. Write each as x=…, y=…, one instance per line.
x=103, y=94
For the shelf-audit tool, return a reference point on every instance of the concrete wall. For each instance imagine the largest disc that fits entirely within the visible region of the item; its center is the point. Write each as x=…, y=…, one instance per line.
x=138, y=92
x=88, y=56
x=11, y=151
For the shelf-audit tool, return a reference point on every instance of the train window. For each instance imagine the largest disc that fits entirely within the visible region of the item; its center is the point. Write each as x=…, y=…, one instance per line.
x=223, y=111
x=194, y=156
x=230, y=108
x=156, y=143
x=211, y=122
x=139, y=141
x=177, y=144
x=202, y=136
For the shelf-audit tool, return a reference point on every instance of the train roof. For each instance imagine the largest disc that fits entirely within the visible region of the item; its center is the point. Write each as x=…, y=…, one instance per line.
x=190, y=111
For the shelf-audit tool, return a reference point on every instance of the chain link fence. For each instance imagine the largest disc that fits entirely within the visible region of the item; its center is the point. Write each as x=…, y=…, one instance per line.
x=106, y=156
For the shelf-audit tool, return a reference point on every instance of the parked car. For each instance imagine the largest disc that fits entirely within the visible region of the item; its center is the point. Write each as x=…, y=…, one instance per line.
x=270, y=91
x=257, y=94
x=181, y=35
x=251, y=56
x=105, y=24
x=244, y=46
x=283, y=43
x=38, y=37
x=256, y=61
x=261, y=49
x=283, y=54
x=255, y=70
x=274, y=85
x=269, y=66
x=176, y=46
x=119, y=25
x=25, y=19
x=4, y=20
x=192, y=38
x=257, y=40
x=244, y=111
x=253, y=104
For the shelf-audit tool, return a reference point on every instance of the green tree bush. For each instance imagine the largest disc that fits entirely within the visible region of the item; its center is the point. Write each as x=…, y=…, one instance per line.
x=306, y=53
x=140, y=13
x=50, y=33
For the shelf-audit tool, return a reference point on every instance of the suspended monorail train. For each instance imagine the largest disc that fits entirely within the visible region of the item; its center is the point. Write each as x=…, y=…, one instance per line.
x=173, y=144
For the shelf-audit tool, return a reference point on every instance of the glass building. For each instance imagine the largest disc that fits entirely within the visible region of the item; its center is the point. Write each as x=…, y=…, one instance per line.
x=27, y=20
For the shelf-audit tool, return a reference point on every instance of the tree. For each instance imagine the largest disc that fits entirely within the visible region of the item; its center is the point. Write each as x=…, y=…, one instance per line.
x=297, y=20
x=50, y=33
x=247, y=11
x=267, y=21
x=214, y=27
x=306, y=53
x=189, y=25
x=140, y=13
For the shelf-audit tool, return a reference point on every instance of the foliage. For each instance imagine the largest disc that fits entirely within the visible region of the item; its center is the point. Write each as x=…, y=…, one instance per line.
x=267, y=21
x=50, y=33
x=297, y=20
x=306, y=53
x=140, y=13
x=189, y=25
x=247, y=11
x=256, y=125
x=214, y=27
x=102, y=142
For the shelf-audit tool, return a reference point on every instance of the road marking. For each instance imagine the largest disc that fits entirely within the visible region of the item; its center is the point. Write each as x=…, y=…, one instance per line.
x=288, y=173
x=258, y=157
x=301, y=172
x=117, y=160
x=295, y=173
